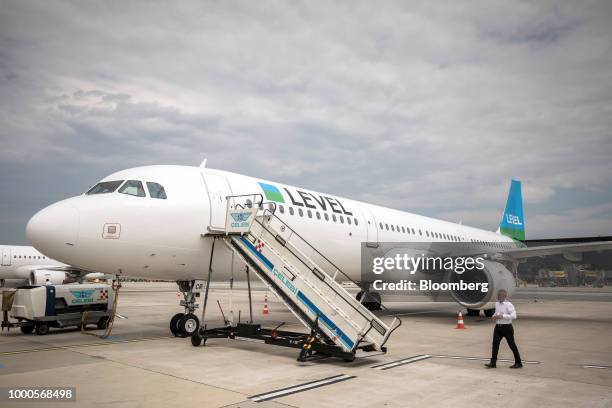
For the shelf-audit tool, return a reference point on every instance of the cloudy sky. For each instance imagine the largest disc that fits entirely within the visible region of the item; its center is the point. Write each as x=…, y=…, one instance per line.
x=422, y=106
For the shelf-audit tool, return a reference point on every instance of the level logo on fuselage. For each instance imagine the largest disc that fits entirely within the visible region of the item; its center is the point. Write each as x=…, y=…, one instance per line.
x=305, y=199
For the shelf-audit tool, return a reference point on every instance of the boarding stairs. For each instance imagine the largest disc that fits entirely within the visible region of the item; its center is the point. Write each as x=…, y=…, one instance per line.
x=305, y=280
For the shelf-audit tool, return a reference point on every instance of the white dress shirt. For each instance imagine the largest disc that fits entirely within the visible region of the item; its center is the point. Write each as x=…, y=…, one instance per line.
x=506, y=310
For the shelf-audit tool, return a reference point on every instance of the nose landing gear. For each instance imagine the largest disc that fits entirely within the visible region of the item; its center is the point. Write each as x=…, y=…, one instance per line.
x=187, y=323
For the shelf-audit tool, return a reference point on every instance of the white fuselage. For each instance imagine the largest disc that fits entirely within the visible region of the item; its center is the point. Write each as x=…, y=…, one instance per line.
x=162, y=238
x=19, y=261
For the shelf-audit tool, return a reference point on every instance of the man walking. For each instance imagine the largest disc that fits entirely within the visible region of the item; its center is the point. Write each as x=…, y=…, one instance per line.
x=504, y=314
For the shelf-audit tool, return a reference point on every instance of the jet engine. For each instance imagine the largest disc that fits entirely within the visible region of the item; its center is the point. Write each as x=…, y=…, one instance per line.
x=41, y=276
x=496, y=274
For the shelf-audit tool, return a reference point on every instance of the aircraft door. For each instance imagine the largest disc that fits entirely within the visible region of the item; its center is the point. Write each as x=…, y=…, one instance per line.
x=372, y=229
x=218, y=189
x=6, y=257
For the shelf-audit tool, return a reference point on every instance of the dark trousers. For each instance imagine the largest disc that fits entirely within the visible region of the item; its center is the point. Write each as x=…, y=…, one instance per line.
x=507, y=331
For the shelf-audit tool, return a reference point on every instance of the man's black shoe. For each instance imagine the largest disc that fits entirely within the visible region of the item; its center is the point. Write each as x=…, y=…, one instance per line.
x=489, y=365
x=516, y=366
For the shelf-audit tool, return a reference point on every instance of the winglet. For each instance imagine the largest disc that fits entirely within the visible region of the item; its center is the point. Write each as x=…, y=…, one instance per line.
x=203, y=164
x=512, y=223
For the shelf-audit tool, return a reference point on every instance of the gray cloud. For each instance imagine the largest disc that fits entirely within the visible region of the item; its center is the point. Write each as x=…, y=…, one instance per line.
x=426, y=107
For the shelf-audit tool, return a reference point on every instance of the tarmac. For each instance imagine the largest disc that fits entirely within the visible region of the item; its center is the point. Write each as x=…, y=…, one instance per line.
x=565, y=344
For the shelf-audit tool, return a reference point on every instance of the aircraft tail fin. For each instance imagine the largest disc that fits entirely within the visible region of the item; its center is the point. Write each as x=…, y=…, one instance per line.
x=512, y=223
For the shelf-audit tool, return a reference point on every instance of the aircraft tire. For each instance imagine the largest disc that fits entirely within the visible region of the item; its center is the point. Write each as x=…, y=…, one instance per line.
x=174, y=324
x=473, y=312
x=372, y=302
x=188, y=324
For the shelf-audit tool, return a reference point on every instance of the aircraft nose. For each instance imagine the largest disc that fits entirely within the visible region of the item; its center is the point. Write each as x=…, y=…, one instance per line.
x=54, y=230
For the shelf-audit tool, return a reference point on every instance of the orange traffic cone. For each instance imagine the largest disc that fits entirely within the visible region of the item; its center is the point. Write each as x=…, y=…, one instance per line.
x=460, y=324
x=265, y=308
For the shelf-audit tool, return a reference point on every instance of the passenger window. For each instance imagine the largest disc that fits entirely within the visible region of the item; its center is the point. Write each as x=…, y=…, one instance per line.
x=104, y=187
x=309, y=213
x=156, y=190
x=403, y=229
x=281, y=209
x=348, y=220
x=356, y=222
x=387, y=227
x=341, y=219
x=300, y=212
x=318, y=215
x=291, y=210
x=133, y=187
x=326, y=217
x=381, y=226
x=334, y=217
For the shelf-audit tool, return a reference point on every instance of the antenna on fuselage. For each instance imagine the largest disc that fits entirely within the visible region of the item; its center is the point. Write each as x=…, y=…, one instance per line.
x=203, y=164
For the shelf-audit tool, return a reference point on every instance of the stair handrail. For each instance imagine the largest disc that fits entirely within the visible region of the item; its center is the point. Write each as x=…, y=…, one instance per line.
x=395, y=323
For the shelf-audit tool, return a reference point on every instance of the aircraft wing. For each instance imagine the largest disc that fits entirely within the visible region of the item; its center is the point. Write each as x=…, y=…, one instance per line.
x=546, y=250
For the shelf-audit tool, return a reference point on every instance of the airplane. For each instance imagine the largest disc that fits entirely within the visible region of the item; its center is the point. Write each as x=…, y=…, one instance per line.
x=154, y=222
x=24, y=265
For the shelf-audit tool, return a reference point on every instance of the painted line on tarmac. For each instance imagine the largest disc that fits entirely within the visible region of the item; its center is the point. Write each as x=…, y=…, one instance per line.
x=601, y=367
x=404, y=361
x=106, y=343
x=300, y=388
x=416, y=313
x=503, y=360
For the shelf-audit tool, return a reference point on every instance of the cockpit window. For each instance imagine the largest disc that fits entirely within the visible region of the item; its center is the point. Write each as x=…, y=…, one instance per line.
x=133, y=187
x=156, y=190
x=104, y=187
